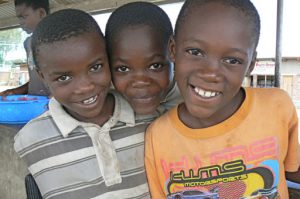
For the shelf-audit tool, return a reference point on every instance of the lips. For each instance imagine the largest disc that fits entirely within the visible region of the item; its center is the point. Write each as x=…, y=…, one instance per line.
x=144, y=99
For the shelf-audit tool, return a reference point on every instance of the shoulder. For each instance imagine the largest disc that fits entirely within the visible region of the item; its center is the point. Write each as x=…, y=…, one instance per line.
x=26, y=43
x=272, y=100
x=165, y=120
x=36, y=130
x=269, y=94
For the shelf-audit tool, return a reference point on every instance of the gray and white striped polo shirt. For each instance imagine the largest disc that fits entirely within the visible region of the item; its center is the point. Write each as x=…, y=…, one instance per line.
x=62, y=156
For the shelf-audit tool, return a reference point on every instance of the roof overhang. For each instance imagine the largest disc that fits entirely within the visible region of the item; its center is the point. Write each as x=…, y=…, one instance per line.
x=8, y=17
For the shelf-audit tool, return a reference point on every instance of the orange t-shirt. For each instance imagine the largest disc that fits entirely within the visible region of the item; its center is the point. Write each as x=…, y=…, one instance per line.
x=245, y=155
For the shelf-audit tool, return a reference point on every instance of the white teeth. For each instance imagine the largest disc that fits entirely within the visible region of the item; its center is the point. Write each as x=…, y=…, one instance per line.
x=205, y=94
x=90, y=100
x=201, y=92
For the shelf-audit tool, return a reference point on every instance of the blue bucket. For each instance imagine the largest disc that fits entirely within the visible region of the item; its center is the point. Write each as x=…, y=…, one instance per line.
x=19, y=109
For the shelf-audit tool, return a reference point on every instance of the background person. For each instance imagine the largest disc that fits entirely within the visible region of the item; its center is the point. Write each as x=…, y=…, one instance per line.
x=30, y=13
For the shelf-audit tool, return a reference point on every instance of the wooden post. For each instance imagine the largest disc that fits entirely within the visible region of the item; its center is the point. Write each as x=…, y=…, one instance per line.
x=278, y=58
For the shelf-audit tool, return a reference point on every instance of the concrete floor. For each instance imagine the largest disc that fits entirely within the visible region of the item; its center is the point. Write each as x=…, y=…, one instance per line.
x=12, y=168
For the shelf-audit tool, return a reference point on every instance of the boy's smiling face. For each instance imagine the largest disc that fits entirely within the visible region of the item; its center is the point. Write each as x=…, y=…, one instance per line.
x=77, y=73
x=213, y=51
x=141, y=68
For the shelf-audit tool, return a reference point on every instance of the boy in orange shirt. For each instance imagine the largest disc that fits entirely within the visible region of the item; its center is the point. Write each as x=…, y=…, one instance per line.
x=224, y=141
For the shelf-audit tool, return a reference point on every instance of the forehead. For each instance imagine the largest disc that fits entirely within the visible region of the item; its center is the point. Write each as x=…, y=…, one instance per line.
x=227, y=22
x=75, y=49
x=139, y=31
x=22, y=8
x=138, y=36
x=215, y=11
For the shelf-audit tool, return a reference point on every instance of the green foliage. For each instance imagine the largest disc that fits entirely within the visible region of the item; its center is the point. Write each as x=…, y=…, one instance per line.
x=8, y=41
x=11, y=35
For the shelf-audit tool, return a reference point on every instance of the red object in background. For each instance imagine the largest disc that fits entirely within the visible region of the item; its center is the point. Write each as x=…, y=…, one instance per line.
x=26, y=98
x=20, y=99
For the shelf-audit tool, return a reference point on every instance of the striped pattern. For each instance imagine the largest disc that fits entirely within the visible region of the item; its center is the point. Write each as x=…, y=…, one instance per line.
x=67, y=167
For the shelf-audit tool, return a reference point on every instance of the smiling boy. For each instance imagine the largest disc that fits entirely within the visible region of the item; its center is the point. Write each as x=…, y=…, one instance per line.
x=224, y=141
x=88, y=145
x=137, y=36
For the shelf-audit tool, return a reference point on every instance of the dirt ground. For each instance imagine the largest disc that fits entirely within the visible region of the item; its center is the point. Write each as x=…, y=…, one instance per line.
x=12, y=169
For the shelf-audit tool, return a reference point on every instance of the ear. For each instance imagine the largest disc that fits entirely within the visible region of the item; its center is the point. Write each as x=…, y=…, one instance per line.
x=172, y=48
x=42, y=12
x=252, y=64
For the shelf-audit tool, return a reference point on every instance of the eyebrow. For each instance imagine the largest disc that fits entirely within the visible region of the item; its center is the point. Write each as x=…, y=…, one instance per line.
x=149, y=57
x=239, y=50
x=55, y=73
x=192, y=40
x=68, y=72
x=95, y=62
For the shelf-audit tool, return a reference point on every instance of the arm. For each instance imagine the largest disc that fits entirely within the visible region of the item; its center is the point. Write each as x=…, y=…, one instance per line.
x=16, y=91
x=152, y=176
x=293, y=176
x=292, y=160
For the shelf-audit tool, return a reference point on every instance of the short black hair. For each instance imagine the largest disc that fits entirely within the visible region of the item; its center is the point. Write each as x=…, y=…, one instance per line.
x=135, y=14
x=35, y=4
x=60, y=26
x=244, y=6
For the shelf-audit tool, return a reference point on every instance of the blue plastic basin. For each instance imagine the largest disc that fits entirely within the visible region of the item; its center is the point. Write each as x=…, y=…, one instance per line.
x=19, y=109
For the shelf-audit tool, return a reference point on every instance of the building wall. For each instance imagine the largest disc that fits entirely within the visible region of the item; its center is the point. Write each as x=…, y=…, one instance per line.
x=290, y=78
x=263, y=76
x=290, y=67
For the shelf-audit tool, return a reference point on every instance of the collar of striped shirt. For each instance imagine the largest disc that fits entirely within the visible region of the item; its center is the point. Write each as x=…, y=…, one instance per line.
x=122, y=112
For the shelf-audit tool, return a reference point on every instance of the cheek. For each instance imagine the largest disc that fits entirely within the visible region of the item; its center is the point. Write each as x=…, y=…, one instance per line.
x=120, y=82
x=163, y=80
x=30, y=21
x=178, y=75
x=235, y=79
x=60, y=92
x=103, y=78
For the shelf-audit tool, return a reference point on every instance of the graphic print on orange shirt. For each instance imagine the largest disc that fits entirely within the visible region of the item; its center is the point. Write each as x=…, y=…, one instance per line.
x=255, y=175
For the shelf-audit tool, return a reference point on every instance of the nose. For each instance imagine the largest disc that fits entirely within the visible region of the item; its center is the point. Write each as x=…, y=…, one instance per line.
x=210, y=70
x=21, y=21
x=84, y=85
x=140, y=80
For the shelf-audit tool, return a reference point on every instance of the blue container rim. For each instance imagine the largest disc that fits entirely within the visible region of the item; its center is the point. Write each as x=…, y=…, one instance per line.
x=13, y=99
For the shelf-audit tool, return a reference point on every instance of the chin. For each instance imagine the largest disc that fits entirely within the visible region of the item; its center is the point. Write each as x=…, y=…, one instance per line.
x=199, y=113
x=147, y=111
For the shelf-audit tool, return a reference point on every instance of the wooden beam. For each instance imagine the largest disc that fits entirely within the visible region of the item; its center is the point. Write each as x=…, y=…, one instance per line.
x=91, y=6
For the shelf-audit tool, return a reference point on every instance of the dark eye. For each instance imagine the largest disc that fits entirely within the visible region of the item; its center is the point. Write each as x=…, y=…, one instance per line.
x=122, y=69
x=232, y=61
x=195, y=51
x=155, y=66
x=64, y=78
x=96, y=67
